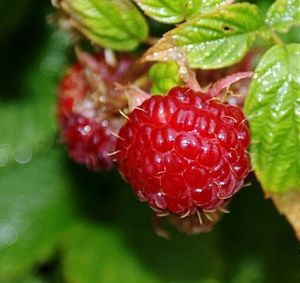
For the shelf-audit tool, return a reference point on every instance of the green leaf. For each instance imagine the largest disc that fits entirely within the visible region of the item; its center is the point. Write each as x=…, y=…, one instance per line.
x=30, y=278
x=273, y=108
x=96, y=254
x=168, y=11
x=213, y=40
x=248, y=270
x=194, y=7
x=115, y=24
x=283, y=14
x=164, y=76
x=35, y=209
x=30, y=121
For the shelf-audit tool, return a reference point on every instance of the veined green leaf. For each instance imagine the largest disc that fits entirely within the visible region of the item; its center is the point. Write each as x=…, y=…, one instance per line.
x=213, y=40
x=176, y=11
x=273, y=108
x=283, y=14
x=164, y=76
x=115, y=24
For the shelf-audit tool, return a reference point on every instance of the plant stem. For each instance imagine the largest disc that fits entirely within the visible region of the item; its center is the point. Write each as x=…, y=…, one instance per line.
x=276, y=38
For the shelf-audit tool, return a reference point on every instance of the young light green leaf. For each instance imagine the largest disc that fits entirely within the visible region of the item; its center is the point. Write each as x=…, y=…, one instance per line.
x=115, y=24
x=35, y=209
x=213, y=40
x=164, y=76
x=176, y=11
x=273, y=109
x=283, y=14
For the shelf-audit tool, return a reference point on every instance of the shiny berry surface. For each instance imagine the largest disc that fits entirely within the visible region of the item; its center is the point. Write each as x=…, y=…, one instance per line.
x=184, y=152
x=89, y=142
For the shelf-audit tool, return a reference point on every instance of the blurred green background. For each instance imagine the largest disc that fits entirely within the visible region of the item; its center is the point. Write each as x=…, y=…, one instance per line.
x=60, y=223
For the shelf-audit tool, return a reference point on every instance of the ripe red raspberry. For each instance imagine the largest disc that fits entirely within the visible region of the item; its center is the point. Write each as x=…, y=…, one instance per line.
x=184, y=152
x=88, y=107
